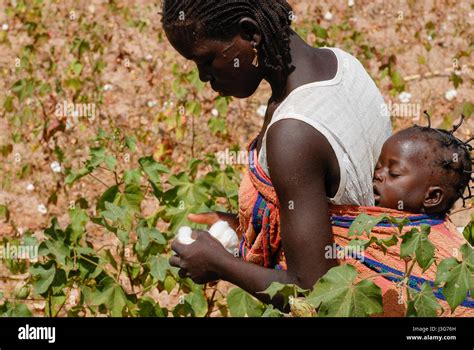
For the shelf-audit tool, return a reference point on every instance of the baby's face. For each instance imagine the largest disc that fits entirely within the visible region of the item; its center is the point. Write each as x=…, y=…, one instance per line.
x=401, y=175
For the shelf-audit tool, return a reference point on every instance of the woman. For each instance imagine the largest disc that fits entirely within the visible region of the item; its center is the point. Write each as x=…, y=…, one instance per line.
x=322, y=134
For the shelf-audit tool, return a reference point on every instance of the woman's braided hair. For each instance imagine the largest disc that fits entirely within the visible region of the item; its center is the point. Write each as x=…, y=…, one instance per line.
x=458, y=168
x=218, y=19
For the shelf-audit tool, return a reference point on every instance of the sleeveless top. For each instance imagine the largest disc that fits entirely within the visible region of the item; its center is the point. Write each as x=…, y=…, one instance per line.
x=350, y=112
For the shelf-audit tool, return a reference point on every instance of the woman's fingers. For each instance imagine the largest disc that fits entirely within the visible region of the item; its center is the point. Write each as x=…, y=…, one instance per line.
x=178, y=247
x=182, y=273
x=175, y=261
x=204, y=218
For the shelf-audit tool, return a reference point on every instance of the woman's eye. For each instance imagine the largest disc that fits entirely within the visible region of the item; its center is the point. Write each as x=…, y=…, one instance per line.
x=394, y=175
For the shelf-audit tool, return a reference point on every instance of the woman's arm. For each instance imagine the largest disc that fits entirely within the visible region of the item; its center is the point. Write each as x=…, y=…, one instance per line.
x=298, y=158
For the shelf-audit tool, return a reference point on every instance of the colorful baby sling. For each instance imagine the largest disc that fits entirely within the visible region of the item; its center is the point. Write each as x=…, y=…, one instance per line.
x=261, y=240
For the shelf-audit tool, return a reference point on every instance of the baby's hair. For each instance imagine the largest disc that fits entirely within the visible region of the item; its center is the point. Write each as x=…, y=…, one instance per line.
x=219, y=19
x=460, y=166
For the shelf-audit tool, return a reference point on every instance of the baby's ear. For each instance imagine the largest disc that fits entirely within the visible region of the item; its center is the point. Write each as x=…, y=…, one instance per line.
x=434, y=197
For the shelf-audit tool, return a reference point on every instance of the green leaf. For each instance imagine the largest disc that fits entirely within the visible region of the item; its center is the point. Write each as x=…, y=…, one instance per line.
x=285, y=290
x=425, y=303
x=79, y=219
x=18, y=310
x=242, y=304
x=24, y=88
x=468, y=233
x=111, y=295
x=217, y=125
x=152, y=169
x=149, y=308
x=110, y=258
x=131, y=197
x=97, y=157
x=43, y=276
x=123, y=236
x=110, y=161
x=132, y=177
x=364, y=224
x=188, y=191
x=146, y=235
x=196, y=301
x=224, y=185
x=4, y=213
x=108, y=196
x=270, y=311
x=159, y=266
x=417, y=242
x=222, y=104
x=456, y=277
x=120, y=216
x=75, y=68
x=398, y=81
x=337, y=295
x=76, y=175
x=131, y=143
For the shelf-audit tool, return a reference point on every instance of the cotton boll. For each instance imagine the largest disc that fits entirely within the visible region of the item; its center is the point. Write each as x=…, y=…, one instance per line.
x=450, y=94
x=404, y=97
x=42, y=209
x=55, y=167
x=218, y=228
x=225, y=234
x=328, y=16
x=262, y=111
x=184, y=235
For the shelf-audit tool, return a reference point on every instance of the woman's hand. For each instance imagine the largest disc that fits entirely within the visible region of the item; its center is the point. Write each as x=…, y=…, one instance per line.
x=199, y=260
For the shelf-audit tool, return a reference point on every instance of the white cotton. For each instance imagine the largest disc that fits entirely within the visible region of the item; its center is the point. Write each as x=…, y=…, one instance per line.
x=262, y=111
x=328, y=16
x=42, y=209
x=404, y=97
x=184, y=235
x=149, y=57
x=451, y=94
x=5, y=27
x=350, y=3
x=56, y=167
x=30, y=187
x=107, y=87
x=220, y=231
x=151, y=103
x=215, y=112
x=225, y=234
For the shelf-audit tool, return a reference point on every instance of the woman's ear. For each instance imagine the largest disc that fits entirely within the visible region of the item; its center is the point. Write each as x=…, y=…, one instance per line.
x=434, y=197
x=250, y=31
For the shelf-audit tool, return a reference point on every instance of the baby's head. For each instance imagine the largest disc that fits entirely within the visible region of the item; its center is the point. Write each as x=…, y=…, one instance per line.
x=422, y=170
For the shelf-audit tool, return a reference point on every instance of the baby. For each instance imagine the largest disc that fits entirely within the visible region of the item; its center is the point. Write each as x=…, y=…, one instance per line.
x=423, y=170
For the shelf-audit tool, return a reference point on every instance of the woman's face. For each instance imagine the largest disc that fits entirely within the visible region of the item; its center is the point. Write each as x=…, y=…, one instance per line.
x=227, y=65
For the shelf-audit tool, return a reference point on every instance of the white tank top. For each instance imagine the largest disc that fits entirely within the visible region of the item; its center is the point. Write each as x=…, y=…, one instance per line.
x=349, y=111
